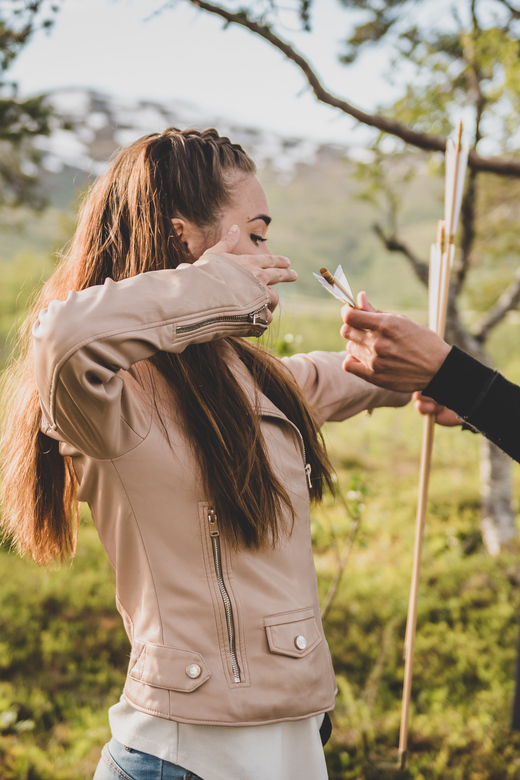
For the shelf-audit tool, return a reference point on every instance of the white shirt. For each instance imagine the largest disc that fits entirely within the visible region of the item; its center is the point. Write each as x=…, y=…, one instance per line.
x=291, y=750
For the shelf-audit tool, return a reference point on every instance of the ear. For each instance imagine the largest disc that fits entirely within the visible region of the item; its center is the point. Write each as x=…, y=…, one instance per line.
x=190, y=235
x=179, y=226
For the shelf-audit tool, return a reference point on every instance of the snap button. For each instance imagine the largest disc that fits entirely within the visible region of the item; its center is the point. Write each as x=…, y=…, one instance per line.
x=193, y=671
x=300, y=642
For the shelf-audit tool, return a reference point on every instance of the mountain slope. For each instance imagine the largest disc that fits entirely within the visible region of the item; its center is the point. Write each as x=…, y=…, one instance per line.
x=318, y=218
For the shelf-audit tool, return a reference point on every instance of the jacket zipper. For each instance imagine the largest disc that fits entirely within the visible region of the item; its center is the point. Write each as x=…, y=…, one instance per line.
x=252, y=318
x=308, y=467
x=217, y=560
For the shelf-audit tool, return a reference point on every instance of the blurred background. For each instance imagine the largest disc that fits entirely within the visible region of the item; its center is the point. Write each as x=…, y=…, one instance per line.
x=345, y=106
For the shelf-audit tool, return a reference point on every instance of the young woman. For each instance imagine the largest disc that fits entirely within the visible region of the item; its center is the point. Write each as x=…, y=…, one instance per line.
x=197, y=453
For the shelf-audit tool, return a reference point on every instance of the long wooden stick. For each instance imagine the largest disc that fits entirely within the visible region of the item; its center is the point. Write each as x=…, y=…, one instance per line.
x=424, y=478
x=411, y=622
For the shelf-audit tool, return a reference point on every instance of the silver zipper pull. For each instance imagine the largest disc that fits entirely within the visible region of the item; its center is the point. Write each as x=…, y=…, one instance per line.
x=308, y=469
x=255, y=317
x=213, y=524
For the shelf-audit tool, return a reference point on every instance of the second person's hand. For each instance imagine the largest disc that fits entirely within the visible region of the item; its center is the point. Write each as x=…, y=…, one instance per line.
x=390, y=350
x=443, y=415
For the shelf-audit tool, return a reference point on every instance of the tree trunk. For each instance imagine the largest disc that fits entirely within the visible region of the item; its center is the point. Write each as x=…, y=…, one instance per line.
x=498, y=517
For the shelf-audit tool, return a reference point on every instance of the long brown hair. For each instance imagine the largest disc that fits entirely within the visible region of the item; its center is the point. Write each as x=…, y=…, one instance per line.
x=124, y=229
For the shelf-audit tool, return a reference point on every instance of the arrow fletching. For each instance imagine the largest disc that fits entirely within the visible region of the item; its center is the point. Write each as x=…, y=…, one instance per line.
x=334, y=290
x=463, y=164
x=456, y=164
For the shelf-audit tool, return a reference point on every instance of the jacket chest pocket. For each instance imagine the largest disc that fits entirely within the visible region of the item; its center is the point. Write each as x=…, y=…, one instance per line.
x=293, y=634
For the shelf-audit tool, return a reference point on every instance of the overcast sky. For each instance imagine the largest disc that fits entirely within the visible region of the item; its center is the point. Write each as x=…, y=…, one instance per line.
x=185, y=54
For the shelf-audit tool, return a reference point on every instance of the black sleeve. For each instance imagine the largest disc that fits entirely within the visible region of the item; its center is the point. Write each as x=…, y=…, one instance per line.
x=481, y=396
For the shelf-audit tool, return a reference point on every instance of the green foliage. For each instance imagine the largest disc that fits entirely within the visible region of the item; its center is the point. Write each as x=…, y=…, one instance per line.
x=62, y=660
x=305, y=14
x=381, y=18
x=19, y=278
x=318, y=220
x=63, y=650
x=20, y=119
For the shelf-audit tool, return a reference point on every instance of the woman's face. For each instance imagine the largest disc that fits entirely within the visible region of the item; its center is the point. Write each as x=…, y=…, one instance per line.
x=249, y=210
x=251, y=213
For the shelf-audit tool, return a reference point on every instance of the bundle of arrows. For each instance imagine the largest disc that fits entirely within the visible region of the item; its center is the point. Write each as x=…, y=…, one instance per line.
x=441, y=260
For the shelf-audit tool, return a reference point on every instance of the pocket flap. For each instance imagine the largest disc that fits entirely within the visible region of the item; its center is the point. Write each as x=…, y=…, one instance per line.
x=173, y=668
x=292, y=633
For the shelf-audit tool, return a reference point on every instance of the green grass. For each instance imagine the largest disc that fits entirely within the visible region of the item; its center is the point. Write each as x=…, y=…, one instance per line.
x=467, y=620
x=63, y=652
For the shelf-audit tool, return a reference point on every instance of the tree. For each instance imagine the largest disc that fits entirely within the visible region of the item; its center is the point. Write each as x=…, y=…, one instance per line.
x=465, y=60
x=20, y=119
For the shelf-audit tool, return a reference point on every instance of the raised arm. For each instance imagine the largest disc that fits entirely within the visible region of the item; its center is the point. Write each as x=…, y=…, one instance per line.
x=332, y=393
x=83, y=344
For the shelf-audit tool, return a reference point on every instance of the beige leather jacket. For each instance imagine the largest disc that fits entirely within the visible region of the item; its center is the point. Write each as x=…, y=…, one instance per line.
x=218, y=637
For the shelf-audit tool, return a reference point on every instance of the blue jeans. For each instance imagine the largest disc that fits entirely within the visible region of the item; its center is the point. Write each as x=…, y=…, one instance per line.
x=121, y=763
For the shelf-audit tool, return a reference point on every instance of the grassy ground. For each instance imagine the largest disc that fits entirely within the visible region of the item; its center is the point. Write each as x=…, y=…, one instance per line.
x=63, y=653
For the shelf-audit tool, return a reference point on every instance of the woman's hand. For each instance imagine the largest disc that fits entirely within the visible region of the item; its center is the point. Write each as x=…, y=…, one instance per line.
x=268, y=269
x=390, y=350
x=443, y=415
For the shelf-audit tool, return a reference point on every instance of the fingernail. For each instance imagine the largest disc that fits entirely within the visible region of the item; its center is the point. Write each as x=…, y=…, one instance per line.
x=294, y=274
x=233, y=229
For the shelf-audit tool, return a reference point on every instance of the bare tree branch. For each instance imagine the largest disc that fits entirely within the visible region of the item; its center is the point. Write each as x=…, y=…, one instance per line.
x=341, y=558
x=499, y=165
x=334, y=585
x=373, y=682
x=467, y=214
x=393, y=244
x=515, y=12
x=508, y=301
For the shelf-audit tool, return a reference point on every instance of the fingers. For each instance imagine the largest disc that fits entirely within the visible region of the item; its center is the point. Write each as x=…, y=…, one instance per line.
x=266, y=261
x=427, y=406
x=268, y=269
x=418, y=396
x=355, y=335
x=275, y=300
x=352, y=319
x=271, y=276
x=354, y=366
x=227, y=243
x=363, y=302
x=358, y=319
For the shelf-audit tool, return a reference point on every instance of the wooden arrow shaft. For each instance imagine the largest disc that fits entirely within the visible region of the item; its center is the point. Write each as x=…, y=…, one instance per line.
x=424, y=478
x=424, y=474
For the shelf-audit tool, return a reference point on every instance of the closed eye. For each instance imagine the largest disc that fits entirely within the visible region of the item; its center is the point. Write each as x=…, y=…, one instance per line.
x=257, y=239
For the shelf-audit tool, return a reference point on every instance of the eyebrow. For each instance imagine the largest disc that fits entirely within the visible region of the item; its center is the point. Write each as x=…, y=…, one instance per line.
x=263, y=217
